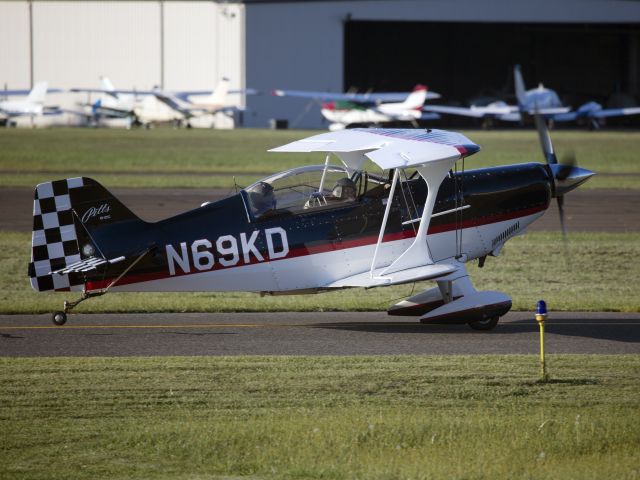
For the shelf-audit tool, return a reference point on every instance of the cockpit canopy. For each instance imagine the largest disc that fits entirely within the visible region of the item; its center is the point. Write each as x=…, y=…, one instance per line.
x=301, y=189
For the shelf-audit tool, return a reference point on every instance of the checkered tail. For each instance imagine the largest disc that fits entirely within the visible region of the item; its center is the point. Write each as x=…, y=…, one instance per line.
x=54, y=242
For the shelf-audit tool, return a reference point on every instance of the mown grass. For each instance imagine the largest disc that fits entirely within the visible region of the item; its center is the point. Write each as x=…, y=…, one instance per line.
x=531, y=267
x=162, y=157
x=420, y=417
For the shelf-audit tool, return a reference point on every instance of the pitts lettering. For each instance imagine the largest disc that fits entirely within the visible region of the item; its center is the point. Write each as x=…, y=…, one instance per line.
x=229, y=251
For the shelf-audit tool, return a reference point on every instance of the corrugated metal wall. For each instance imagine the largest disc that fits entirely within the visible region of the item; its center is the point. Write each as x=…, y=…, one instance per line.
x=14, y=38
x=138, y=44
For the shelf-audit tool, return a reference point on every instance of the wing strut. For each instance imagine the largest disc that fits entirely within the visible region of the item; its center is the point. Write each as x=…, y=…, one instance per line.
x=418, y=253
x=384, y=219
x=324, y=172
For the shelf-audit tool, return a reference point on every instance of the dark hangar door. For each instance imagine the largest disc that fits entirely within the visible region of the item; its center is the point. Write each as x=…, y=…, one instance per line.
x=463, y=61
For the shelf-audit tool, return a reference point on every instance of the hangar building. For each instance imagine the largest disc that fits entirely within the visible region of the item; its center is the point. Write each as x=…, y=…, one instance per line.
x=463, y=49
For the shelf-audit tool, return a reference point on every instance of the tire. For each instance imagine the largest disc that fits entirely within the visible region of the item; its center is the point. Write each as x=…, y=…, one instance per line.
x=59, y=318
x=486, y=324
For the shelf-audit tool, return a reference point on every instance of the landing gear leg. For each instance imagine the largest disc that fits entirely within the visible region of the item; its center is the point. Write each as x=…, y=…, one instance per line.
x=60, y=318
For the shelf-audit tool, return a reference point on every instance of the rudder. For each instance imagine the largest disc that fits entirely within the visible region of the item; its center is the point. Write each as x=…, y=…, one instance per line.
x=64, y=213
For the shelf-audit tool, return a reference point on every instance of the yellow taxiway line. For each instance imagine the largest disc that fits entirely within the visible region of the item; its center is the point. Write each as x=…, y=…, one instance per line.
x=272, y=325
x=202, y=325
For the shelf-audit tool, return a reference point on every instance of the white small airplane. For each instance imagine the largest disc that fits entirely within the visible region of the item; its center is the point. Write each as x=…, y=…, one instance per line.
x=32, y=106
x=182, y=105
x=351, y=109
x=542, y=100
x=207, y=102
x=110, y=105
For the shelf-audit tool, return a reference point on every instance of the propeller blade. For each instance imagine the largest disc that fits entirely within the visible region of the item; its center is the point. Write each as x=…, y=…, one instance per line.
x=545, y=139
x=567, y=166
x=561, y=212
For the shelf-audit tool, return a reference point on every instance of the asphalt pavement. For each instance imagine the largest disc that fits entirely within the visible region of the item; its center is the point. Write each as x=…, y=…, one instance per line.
x=318, y=333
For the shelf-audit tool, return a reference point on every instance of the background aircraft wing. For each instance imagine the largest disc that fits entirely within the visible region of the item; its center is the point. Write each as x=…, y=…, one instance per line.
x=565, y=117
x=351, y=97
x=185, y=94
x=429, y=116
x=27, y=92
x=463, y=111
x=615, y=112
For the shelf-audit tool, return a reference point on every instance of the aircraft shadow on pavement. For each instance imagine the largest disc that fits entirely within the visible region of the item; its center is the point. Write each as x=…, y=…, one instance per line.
x=195, y=334
x=621, y=330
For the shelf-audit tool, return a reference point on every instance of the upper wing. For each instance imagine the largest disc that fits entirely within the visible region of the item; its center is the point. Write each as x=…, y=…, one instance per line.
x=387, y=147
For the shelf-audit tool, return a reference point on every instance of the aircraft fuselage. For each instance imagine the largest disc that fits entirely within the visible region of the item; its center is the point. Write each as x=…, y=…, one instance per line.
x=221, y=246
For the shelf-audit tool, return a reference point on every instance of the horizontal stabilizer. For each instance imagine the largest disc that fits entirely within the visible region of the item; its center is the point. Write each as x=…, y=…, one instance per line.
x=87, y=265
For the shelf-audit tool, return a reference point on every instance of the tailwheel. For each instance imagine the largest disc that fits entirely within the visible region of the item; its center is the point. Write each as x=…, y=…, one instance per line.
x=59, y=318
x=486, y=324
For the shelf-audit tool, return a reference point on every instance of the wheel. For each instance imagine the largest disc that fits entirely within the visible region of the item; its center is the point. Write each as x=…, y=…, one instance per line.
x=59, y=318
x=486, y=324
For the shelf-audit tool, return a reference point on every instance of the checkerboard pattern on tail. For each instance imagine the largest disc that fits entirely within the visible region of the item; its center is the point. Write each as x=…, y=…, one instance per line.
x=54, y=239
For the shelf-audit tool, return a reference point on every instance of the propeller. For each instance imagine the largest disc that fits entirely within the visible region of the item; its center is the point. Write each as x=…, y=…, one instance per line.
x=566, y=175
x=561, y=171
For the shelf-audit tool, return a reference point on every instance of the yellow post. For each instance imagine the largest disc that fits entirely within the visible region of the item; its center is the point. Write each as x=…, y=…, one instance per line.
x=541, y=316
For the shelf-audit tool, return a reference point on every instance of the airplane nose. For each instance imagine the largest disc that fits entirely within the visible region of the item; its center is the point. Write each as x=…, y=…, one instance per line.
x=568, y=177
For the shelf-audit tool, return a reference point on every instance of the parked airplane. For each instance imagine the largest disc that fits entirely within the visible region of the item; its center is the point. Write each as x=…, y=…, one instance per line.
x=141, y=106
x=32, y=106
x=214, y=102
x=594, y=114
x=110, y=105
x=312, y=229
x=542, y=100
x=353, y=109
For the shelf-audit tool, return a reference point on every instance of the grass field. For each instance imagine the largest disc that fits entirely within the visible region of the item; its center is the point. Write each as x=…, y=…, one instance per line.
x=422, y=417
x=529, y=268
x=209, y=158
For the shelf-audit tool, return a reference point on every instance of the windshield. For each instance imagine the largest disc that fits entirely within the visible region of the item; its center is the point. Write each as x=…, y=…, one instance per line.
x=301, y=189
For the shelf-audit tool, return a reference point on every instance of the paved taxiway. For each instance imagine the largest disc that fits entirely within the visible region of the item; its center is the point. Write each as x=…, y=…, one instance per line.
x=370, y=333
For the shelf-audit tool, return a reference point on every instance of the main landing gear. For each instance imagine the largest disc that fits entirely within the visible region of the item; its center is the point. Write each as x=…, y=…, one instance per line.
x=486, y=324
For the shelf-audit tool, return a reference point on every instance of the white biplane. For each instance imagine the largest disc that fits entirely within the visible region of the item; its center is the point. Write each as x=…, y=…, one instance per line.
x=312, y=229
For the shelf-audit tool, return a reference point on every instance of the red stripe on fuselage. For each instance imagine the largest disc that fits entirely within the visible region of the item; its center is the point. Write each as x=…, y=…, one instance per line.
x=325, y=247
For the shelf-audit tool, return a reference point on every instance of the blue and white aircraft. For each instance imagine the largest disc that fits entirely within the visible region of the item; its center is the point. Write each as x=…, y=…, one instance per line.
x=542, y=100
